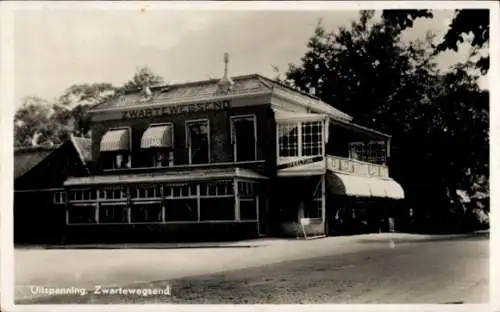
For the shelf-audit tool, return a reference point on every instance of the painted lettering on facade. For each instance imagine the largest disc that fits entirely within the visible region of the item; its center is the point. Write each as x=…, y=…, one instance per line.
x=300, y=162
x=348, y=166
x=176, y=109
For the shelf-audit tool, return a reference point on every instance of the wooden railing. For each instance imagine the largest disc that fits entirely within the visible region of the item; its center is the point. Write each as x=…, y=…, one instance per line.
x=356, y=167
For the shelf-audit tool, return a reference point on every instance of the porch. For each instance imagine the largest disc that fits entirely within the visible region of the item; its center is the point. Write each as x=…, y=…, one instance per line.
x=182, y=205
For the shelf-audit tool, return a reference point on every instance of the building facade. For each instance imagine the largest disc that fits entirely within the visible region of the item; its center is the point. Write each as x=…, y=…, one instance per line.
x=228, y=158
x=39, y=175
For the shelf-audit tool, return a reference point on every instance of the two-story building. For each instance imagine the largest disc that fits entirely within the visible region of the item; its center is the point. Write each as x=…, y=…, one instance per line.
x=238, y=157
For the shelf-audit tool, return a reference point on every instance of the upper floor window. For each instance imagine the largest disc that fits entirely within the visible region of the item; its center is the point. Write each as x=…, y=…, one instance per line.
x=312, y=138
x=198, y=141
x=115, y=149
x=300, y=138
x=288, y=139
x=162, y=158
x=373, y=152
x=158, y=142
x=244, y=137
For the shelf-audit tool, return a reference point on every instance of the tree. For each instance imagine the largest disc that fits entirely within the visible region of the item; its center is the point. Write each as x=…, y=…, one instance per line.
x=143, y=77
x=32, y=125
x=399, y=20
x=439, y=121
x=52, y=123
x=43, y=122
x=71, y=107
x=475, y=22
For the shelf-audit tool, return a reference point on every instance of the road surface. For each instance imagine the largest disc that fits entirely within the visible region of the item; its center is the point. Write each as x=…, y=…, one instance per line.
x=331, y=270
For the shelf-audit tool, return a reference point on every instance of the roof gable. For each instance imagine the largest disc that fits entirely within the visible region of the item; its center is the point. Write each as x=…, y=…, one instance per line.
x=27, y=158
x=84, y=148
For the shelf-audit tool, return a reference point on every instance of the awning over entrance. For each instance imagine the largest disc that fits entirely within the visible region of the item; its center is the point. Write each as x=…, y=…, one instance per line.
x=283, y=116
x=157, y=136
x=115, y=140
x=351, y=185
x=172, y=177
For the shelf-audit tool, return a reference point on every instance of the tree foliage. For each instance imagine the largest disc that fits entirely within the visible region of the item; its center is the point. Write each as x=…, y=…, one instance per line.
x=439, y=121
x=143, y=77
x=39, y=121
x=475, y=22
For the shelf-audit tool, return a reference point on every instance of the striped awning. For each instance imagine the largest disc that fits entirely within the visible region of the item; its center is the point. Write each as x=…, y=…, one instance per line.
x=157, y=136
x=356, y=186
x=115, y=140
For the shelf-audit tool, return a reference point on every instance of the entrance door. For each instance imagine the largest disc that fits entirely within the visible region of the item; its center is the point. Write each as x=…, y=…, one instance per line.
x=244, y=137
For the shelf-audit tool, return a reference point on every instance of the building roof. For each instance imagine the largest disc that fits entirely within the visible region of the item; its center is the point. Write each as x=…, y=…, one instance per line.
x=173, y=177
x=84, y=148
x=26, y=158
x=207, y=89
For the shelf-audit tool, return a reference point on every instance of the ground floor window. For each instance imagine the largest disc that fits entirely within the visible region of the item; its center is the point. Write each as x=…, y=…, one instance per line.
x=181, y=210
x=146, y=213
x=113, y=214
x=246, y=189
x=216, y=188
x=217, y=209
x=248, y=209
x=81, y=214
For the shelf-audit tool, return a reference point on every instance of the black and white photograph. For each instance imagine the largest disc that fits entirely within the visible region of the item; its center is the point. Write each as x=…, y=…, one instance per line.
x=248, y=153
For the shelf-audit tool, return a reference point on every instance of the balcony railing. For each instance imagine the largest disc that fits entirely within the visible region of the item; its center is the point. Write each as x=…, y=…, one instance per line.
x=356, y=167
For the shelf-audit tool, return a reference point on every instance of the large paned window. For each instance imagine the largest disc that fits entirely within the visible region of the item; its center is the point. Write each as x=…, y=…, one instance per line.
x=198, y=141
x=372, y=152
x=181, y=210
x=113, y=214
x=300, y=139
x=288, y=140
x=146, y=212
x=248, y=209
x=312, y=138
x=217, y=209
x=81, y=214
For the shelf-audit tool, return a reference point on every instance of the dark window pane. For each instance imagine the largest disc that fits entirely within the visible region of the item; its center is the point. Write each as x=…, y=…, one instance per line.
x=217, y=209
x=113, y=214
x=248, y=210
x=181, y=210
x=244, y=132
x=81, y=214
x=146, y=213
x=198, y=141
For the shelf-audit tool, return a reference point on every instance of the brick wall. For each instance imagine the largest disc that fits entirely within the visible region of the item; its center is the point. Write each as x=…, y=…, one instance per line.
x=221, y=147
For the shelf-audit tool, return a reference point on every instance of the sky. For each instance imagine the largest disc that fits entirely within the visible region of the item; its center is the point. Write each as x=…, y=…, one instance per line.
x=55, y=49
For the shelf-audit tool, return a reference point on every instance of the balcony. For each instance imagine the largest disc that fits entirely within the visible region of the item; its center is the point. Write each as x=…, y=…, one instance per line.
x=356, y=167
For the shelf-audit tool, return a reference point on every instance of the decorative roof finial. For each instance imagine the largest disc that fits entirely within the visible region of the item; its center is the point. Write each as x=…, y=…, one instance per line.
x=226, y=61
x=225, y=84
x=146, y=93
